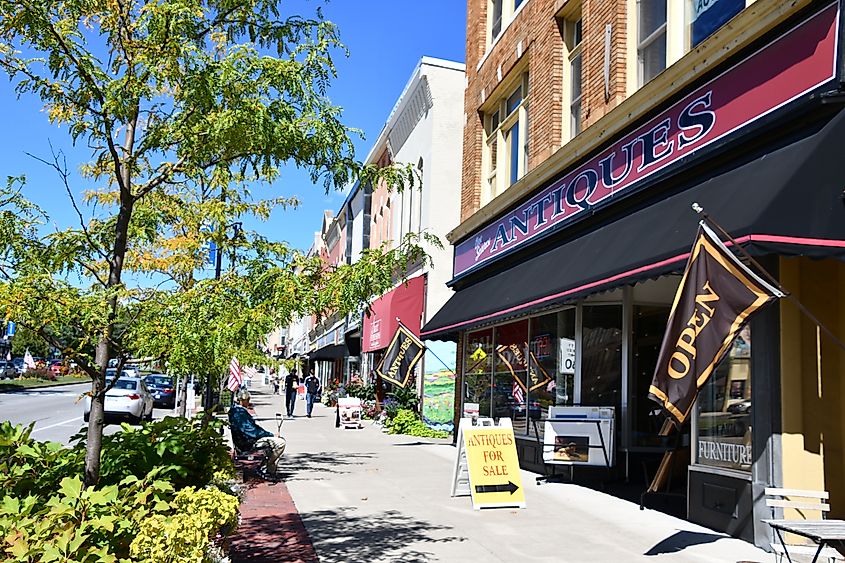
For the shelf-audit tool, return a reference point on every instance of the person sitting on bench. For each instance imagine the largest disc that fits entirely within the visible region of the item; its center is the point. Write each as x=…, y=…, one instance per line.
x=247, y=435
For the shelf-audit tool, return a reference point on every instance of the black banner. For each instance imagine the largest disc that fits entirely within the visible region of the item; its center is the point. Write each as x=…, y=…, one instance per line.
x=716, y=297
x=401, y=356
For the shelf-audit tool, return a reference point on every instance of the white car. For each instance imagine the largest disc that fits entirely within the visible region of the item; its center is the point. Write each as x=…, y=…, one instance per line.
x=128, y=398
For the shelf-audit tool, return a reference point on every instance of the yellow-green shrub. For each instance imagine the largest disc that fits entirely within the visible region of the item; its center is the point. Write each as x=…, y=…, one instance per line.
x=185, y=535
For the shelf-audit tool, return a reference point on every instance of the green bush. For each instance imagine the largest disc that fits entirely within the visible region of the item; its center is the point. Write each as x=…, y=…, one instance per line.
x=28, y=466
x=187, y=453
x=357, y=388
x=184, y=535
x=171, y=472
x=78, y=524
x=407, y=422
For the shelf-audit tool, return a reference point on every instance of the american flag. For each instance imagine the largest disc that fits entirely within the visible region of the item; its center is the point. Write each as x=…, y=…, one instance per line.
x=235, y=378
x=517, y=393
x=250, y=372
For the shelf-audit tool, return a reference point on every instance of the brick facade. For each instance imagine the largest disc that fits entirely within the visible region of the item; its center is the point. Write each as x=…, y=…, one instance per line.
x=536, y=33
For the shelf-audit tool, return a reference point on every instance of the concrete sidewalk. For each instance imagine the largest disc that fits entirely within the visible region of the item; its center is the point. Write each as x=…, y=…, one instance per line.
x=367, y=496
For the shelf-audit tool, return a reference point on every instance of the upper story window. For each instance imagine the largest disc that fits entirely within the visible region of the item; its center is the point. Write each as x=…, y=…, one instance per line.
x=651, y=39
x=572, y=35
x=506, y=139
x=500, y=13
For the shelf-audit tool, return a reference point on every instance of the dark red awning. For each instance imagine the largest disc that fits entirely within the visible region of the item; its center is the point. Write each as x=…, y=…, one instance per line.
x=405, y=303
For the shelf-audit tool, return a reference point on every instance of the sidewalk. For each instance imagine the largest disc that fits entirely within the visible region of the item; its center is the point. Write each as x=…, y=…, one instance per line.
x=363, y=495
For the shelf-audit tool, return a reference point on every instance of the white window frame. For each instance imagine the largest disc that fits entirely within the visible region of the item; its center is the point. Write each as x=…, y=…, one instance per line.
x=677, y=39
x=572, y=44
x=510, y=8
x=497, y=179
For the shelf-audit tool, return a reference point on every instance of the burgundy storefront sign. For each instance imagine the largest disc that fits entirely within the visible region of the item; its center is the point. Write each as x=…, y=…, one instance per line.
x=404, y=303
x=798, y=62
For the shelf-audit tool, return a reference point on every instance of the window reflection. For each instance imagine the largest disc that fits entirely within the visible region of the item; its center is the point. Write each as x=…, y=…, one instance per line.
x=724, y=410
x=479, y=370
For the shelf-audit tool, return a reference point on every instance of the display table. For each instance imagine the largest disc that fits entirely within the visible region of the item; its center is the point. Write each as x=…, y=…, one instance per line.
x=824, y=532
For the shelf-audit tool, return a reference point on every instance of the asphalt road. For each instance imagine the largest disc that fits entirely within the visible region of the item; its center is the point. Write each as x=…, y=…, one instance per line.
x=56, y=411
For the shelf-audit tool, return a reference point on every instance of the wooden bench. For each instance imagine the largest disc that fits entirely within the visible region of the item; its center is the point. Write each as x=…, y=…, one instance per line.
x=803, y=501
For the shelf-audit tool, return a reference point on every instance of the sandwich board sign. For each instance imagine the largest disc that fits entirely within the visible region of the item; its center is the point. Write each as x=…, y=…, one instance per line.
x=487, y=465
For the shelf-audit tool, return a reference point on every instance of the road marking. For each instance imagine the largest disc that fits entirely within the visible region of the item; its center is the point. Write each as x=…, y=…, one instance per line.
x=57, y=424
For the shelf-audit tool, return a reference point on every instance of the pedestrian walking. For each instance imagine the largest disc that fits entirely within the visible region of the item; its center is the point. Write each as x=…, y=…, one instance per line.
x=291, y=388
x=312, y=392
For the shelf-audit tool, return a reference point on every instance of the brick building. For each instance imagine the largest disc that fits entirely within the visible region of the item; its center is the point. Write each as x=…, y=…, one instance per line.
x=590, y=128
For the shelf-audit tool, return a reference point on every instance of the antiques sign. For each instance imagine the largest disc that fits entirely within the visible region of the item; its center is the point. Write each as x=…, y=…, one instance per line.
x=796, y=63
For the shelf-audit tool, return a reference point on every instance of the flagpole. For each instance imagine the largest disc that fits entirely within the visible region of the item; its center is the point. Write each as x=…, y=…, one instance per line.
x=706, y=217
x=427, y=349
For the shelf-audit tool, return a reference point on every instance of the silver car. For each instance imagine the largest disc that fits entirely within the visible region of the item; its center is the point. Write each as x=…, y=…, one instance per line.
x=128, y=398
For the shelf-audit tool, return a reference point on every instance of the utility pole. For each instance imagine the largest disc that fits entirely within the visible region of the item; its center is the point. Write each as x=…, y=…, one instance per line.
x=218, y=266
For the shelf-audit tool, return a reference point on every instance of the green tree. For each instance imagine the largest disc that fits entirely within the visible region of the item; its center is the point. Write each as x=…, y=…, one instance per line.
x=175, y=98
x=26, y=339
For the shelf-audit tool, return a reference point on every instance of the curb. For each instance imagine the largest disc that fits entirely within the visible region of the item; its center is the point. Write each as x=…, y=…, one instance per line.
x=51, y=385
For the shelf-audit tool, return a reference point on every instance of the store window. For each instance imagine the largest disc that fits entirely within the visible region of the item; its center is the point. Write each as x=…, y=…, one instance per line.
x=601, y=352
x=511, y=377
x=552, y=367
x=723, y=410
x=478, y=372
x=506, y=139
x=651, y=38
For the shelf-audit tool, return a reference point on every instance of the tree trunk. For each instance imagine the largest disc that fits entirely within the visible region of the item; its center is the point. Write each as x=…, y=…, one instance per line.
x=182, y=397
x=94, y=443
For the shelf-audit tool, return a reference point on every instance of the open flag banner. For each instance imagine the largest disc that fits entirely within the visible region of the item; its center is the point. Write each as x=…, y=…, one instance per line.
x=716, y=297
x=235, y=377
x=401, y=357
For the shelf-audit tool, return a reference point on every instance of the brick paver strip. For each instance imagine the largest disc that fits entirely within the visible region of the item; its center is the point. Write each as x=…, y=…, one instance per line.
x=271, y=530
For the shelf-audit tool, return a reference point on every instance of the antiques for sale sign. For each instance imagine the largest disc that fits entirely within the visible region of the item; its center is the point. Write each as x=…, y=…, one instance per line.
x=494, y=475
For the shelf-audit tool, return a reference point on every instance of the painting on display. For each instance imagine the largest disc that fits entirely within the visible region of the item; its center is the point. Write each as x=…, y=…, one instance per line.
x=439, y=385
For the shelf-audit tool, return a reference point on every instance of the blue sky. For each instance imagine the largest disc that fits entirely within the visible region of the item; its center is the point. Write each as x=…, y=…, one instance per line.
x=386, y=40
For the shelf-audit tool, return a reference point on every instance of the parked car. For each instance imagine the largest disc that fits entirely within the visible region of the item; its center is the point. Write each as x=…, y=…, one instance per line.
x=7, y=370
x=162, y=389
x=58, y=367
x=128, y=398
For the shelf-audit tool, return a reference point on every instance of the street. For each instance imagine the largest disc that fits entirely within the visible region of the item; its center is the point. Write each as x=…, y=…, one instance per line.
x=56, y=411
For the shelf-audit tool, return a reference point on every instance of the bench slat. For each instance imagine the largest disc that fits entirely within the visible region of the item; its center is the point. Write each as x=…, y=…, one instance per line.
x=797, y=493
x=798, y=505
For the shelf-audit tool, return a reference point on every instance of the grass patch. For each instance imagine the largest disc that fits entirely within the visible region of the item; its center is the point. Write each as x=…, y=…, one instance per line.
x=24, y=383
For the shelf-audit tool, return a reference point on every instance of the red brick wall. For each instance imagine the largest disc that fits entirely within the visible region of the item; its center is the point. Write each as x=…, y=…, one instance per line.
x=539, y=34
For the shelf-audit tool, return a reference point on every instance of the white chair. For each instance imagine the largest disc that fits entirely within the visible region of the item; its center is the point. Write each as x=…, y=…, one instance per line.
x=807, y=503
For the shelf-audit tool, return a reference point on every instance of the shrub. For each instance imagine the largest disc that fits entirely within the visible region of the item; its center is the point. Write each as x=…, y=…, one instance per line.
x=46, y=515
x=28, y=466
x=187, y=534
x=357, y=388
x=407, y=422
x=40, y=373
x=78, y=524
x=185, y=452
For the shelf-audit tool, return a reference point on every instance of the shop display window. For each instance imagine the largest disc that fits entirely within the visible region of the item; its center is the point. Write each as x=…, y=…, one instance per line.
x=478, y=370
x=511, y=379
x=552, y=373
x=601, y=363
x=723, y=410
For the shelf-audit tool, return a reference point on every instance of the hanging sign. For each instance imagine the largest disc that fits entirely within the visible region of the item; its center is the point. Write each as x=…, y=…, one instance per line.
x=401, y=357
x=493, y=467
x=798, y=62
